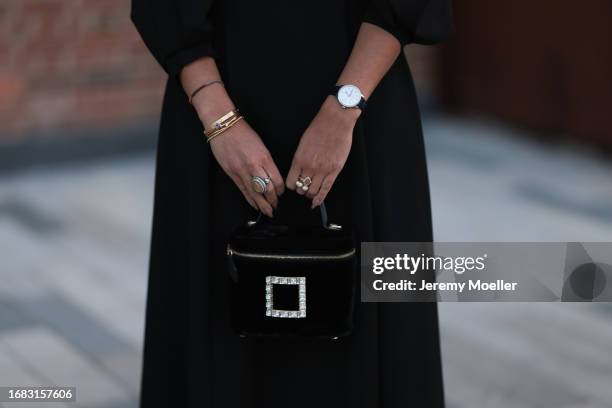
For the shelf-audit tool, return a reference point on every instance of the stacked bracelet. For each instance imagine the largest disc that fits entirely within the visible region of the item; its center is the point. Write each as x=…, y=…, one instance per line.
x=222, y=124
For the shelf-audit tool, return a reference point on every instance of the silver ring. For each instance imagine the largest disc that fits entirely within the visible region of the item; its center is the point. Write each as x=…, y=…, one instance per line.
x=260, y=184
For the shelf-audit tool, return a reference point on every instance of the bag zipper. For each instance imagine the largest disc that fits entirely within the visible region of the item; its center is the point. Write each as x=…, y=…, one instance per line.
x=344, y=255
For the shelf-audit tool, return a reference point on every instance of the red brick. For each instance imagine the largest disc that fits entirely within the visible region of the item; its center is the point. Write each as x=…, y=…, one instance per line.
x=12, y=88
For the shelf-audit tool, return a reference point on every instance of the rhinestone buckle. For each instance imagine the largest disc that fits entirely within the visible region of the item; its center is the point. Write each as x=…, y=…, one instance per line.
x=285, y=280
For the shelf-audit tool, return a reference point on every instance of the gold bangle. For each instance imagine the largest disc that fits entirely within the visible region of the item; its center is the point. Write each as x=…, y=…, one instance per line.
x=221, y=122
x=234, y=120
x=222, y=128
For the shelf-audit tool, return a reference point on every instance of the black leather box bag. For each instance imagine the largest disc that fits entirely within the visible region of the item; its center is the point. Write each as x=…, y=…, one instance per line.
x=291, y=279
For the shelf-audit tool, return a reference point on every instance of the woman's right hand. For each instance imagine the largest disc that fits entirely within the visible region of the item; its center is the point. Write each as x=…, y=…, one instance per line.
x=242, y=155
x=239, y=150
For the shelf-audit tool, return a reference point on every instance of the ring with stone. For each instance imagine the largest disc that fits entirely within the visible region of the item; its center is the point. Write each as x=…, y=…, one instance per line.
x=303, y=182
x=260, y=184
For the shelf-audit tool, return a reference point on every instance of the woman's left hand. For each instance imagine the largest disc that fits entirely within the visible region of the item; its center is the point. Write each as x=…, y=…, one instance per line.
x=323, y=150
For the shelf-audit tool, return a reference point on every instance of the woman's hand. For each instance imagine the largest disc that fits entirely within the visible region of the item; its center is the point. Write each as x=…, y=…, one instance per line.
x=242, y=155
x=323, y=150
x=239, y=150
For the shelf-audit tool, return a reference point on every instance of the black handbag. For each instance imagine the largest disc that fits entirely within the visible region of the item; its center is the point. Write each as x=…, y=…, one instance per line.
x=291, y=279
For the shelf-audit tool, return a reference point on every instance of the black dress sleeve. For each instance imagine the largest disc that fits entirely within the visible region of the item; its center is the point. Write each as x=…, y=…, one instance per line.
x=412, y=21
x=176, y=32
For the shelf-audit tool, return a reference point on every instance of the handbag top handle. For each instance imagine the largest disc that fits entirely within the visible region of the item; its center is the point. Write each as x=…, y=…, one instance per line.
x=324, y=221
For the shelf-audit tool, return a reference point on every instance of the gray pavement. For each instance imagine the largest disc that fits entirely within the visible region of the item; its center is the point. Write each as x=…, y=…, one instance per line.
x=74, y=248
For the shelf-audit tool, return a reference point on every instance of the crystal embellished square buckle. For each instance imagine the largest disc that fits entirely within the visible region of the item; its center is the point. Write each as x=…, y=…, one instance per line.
x=285, y=280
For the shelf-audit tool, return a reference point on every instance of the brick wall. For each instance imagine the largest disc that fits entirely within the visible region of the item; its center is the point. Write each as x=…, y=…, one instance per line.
x=72, y=63
x=544, y=66
x=80, y=64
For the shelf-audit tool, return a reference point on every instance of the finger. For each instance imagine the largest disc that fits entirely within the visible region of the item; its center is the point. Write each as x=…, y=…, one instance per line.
x=315, y=185
x=271, y=196
x=270, y=193
x=292, y=176
x=326, y=186
x=275, y=176
x=262, y=204
x=243, y=189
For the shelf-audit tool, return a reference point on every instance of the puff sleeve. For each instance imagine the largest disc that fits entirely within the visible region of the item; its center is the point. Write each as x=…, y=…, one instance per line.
x=176, y=32
x=412, y=21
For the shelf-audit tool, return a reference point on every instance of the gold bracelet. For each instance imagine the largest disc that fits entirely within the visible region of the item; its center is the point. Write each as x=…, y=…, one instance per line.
x=225, y=125
x=228, y=125
x=221, y=122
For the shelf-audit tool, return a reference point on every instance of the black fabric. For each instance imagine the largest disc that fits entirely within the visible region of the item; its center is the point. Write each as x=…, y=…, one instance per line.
x=278, y=60
x=176, y=32
x=412, y=21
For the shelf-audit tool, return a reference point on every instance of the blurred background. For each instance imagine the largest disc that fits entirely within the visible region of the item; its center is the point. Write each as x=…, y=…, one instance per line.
x=517, y=117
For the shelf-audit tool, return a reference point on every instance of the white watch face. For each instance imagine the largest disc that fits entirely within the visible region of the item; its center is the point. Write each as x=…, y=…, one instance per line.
x=349, y=96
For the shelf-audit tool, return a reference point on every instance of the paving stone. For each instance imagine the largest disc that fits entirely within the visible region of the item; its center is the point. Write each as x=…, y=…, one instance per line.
x=54, y=360
x=119, y=404
x=127, y=366
x=122, y=315
x=493, y=350
x=14, y=373
x=22, y=251
x=12, y=316
x=29, y=216
x=76, y=326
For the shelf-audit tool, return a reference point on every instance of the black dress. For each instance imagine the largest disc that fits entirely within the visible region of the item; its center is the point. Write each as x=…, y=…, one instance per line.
x=279, y=60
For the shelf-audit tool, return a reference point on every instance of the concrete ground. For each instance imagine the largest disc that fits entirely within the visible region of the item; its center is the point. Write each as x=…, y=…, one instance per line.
x=74, y=248
x=489, y=183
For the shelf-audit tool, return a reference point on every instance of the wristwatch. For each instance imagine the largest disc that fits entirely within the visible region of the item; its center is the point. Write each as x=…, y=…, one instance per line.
x=349, y=97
